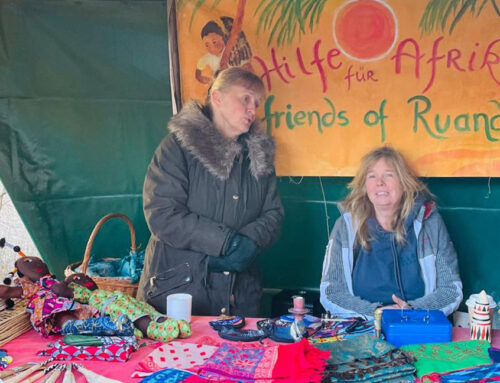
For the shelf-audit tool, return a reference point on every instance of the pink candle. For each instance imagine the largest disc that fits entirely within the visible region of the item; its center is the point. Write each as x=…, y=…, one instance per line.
x=298, y=302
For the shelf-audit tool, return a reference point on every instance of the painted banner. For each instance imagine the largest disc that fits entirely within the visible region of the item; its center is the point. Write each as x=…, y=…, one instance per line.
x=343, y=77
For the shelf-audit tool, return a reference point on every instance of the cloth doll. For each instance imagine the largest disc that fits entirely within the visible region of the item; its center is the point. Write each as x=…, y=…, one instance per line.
x=146, y=319
x=47, y=311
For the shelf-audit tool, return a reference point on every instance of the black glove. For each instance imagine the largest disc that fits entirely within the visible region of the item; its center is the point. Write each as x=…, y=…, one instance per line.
x=239, y=253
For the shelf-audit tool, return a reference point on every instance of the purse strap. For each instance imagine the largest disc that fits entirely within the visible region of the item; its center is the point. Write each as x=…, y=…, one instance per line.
x=100, y=223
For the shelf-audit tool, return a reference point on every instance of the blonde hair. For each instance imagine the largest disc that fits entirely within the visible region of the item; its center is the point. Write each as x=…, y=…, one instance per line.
x=236, y=76
x=361, y=208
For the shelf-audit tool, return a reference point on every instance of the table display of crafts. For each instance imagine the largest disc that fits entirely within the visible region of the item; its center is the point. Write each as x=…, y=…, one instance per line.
x=100, y=325
x=96, y=324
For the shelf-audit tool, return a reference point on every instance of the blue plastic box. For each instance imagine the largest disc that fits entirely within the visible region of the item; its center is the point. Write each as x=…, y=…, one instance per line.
x=415, y=326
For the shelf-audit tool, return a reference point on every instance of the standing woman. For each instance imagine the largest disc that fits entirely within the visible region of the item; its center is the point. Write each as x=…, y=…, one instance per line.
x=390, y=247
x=211, y=202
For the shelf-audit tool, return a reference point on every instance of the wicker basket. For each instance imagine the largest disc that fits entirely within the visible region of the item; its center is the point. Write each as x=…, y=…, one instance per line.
x=14, y=322
x=107, y=283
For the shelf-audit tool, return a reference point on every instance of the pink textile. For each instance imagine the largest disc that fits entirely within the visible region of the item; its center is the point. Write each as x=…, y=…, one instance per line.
x=177, y=355
x=117, y=352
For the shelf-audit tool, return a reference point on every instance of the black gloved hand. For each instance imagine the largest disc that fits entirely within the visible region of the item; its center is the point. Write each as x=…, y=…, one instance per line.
x=238, y=254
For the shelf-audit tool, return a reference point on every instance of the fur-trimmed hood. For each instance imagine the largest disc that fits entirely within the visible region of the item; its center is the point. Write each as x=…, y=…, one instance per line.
x=198, y=135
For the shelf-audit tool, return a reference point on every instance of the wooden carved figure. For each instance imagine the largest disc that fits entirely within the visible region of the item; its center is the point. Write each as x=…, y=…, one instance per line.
x=480, y=326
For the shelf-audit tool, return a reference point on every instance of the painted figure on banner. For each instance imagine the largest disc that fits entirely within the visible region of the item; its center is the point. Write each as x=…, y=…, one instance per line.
x=215, y=37
x=480, y=324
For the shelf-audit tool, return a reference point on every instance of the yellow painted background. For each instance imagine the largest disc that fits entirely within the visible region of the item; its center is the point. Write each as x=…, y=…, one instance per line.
x=304, y=151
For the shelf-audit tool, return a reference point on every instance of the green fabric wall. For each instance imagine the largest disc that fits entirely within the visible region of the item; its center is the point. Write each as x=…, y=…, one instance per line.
x=469, y=206
x=84, y=100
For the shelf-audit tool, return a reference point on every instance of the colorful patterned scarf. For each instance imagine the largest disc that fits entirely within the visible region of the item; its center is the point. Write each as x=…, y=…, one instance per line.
x=298, y=362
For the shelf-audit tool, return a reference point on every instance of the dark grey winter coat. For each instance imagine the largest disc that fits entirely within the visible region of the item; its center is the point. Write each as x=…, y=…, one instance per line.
x=199, y=187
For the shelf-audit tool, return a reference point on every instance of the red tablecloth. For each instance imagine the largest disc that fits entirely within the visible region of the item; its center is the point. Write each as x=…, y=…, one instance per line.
x=24, y=348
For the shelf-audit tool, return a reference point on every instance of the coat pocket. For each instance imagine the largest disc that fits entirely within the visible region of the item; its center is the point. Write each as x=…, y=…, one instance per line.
x=169, y=280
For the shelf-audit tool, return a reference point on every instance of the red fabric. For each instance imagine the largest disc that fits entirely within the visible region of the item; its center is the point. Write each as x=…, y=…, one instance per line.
x=300, y=362
x=119, y=352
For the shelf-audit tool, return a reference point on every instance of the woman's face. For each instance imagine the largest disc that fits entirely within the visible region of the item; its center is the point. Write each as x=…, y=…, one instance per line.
x=235, y=109
x=383, y=187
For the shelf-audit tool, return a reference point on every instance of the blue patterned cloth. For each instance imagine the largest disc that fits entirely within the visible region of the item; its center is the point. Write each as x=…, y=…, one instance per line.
x=122, y=326
x=168, y=375
x=472, y=374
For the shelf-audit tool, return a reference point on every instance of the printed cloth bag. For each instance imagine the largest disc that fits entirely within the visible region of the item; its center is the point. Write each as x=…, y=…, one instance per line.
x=366, y=359
x=118, y=352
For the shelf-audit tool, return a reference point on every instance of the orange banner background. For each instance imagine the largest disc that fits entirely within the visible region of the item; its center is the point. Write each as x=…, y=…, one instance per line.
x=370, y=72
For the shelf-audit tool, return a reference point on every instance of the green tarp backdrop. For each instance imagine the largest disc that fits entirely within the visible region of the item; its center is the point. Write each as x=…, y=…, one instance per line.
x=84, y=100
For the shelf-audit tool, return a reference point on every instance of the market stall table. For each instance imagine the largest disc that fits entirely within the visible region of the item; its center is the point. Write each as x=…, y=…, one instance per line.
x=24, y=349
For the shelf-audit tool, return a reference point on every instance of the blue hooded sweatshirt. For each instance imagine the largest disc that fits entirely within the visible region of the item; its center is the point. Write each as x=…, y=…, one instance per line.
x=388, y=267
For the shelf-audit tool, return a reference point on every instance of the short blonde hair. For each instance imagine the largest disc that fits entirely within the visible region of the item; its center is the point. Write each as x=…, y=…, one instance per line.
x=236, y=76
x=358, y=204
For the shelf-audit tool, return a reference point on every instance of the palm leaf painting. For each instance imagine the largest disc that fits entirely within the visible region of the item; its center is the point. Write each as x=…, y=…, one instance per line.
x=283, y=18
x=442, y=15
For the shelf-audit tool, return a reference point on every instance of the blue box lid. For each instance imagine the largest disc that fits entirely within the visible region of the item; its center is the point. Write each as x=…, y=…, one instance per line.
x=415, y=326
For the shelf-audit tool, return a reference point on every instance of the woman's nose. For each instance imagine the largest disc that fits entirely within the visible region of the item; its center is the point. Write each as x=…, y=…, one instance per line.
x=380, y=181
x=251, y=110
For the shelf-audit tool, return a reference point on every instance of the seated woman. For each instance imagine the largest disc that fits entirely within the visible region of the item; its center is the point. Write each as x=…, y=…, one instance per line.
x=390, y=247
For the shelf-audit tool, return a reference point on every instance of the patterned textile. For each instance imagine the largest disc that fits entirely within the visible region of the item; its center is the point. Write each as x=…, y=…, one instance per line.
x=119, y=352
x=346, y=329
x=482, y=374
x=298, y=362
x=172, y=376
x=366, y=359
x=235, y=362
x=164, y=331
x=43, y=304
x=121, y=326
x=449, y=356
x=488, y=373
x=89, y=340
x=116, y=303
x=176, y=355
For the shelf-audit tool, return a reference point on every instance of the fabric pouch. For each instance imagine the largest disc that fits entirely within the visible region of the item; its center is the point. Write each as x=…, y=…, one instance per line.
x=118, y=352
x=89, y=340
